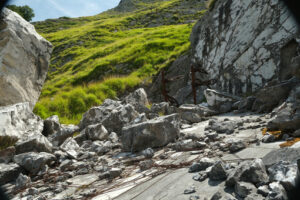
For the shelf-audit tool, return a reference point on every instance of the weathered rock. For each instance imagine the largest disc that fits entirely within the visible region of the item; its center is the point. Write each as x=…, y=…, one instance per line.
x=99, y=147
x=188, y=145
x=113, y=137
x=268, y=138
x=236, y=145
x=96, y=132
x=148, y=153
x=285, y=173
x=201, y=176
x=97, y=114
x=203, y=164
x=24, y=60
x=270, y=96
x=22, y=182
x=252, y=172
x=216, y=99
x=218, y=172
x=246, y=104
x=9, y=172
x=296, y=133
x=290, y=155
x=71, y=147
x=263, y=190
x=287, y=115
x=243, y=189
x=277, y=192
x=146, y=164
x=34, y=162
x=139, y=100
x=243, y=56
x=62, y=134
x=160, y=108
x=37, y=143
x=51, y=125
x=140, y=118
x=6, y=155
x=111, y=114
x=222, y=127
x=153, y=133
x=18, y=121
x=189, y=190
x=194, y=113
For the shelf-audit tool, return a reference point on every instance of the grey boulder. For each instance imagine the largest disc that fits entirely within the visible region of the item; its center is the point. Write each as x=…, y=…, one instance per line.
x=34, y=162
x=9, y=172
x=24, y=60
x=138, y=99
x=71, y=147
x=153, y=133
x=37, y=143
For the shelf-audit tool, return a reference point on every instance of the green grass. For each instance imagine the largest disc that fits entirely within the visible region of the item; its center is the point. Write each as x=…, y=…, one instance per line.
x=102, y=56
x=6, y=141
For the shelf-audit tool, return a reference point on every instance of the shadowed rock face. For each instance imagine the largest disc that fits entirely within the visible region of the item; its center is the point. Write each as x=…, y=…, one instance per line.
x=245, y=44
x=24, y=60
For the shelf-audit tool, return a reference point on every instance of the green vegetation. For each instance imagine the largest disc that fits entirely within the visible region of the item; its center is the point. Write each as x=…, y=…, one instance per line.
x=25, y=11
x=210, y=4
x=102, y=56
x=6, y=141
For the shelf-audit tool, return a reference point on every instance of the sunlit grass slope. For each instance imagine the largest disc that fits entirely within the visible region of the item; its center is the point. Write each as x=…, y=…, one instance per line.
x=102, y=56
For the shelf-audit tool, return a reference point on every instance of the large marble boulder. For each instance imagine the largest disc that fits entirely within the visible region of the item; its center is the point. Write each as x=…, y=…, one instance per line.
x=18, y=122
x=24, y=60
x=242, y=45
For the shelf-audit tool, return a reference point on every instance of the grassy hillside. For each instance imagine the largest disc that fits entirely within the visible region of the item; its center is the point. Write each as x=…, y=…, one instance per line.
x=101, y=56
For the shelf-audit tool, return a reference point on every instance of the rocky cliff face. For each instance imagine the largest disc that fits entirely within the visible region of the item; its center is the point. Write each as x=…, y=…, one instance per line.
x=24, y=60
x=245, y=44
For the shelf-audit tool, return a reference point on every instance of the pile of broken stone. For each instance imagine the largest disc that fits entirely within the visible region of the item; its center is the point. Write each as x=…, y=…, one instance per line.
x=116, y=138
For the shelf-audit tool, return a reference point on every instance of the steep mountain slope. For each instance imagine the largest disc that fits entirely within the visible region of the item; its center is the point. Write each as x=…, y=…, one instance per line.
x=101, y=56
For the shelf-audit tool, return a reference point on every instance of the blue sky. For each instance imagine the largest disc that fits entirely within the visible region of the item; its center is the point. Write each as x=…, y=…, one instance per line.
x=45, y=9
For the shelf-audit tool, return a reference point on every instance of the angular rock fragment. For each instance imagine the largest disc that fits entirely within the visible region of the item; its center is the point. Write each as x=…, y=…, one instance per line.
x=34, y=162
x=153, y=133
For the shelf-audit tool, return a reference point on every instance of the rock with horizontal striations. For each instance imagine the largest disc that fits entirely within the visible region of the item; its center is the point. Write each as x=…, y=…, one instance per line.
x=9, y=172
x=34, y=162
x=153, y=133
x=24, y=60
